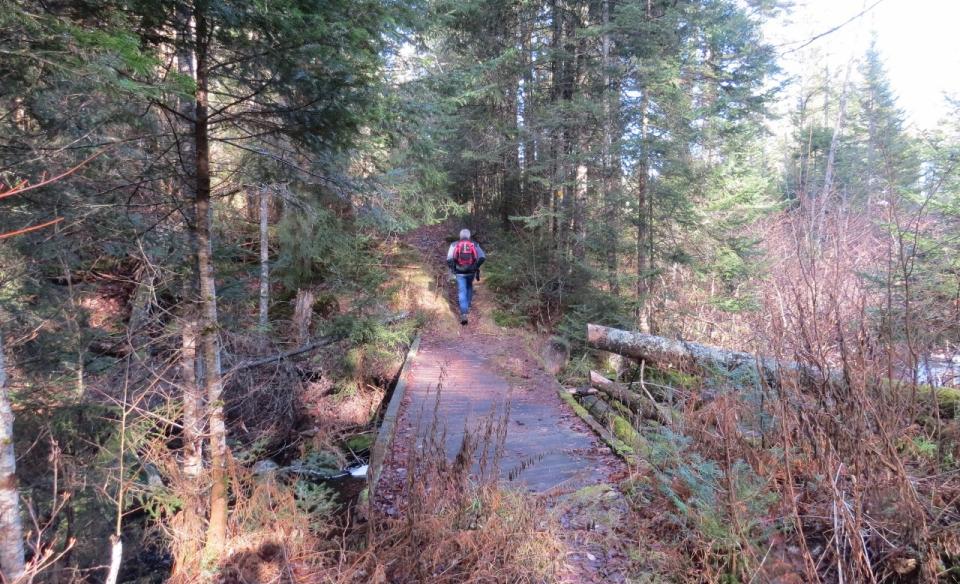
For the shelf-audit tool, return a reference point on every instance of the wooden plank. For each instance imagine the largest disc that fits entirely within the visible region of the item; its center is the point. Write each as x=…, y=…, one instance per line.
x=388, y=425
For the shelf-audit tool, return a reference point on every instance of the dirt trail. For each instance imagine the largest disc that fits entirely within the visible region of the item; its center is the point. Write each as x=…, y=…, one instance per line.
x=481, y=368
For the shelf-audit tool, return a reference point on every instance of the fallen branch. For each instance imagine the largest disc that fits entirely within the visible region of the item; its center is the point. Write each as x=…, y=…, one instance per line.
x=17, y=232
x=324, y=342
x=318, y=344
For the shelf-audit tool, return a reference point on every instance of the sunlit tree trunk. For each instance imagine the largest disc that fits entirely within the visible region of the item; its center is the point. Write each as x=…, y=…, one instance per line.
x=191, y=368
x=530, y=197
x=611, y=216
x=209, y=321
x=11, y=528
x=192, y=401
x=834, y=144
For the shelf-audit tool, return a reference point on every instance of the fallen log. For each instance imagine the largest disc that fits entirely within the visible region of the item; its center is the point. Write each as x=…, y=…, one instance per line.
x=683, y=355
x=620, y=427
x=659, y=390
x=318, y=344
x=644, y=406
x=742, y=367
x=620, y=447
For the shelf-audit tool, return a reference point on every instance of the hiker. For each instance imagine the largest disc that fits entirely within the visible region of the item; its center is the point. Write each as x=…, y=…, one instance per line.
x=464, y=259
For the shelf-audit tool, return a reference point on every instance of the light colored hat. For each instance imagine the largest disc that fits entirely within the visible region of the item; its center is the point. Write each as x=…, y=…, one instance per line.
x=464, y=234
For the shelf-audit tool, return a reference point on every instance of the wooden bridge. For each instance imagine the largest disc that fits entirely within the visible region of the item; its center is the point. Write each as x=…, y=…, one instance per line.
x=461, y=379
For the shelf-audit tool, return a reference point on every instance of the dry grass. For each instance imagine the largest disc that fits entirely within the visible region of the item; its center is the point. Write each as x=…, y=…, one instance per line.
x=455, y=524
x=850, y=476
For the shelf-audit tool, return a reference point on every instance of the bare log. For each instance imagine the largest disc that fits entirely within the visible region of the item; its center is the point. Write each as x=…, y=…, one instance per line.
x=683, y=355
x=746, y=368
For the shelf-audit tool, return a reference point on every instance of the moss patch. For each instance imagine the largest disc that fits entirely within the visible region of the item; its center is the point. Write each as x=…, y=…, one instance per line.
x=673, y=378
x=624, y=430
x=360, y=442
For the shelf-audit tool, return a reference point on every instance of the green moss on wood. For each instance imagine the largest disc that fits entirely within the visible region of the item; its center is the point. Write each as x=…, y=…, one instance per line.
x=619, y=447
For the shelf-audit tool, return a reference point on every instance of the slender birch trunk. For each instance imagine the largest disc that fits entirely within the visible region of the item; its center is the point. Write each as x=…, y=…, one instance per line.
x=11, y=528
x=192, y=399
x=644, y=221
x=835, y=141
x=612, y=231
x=264, y=258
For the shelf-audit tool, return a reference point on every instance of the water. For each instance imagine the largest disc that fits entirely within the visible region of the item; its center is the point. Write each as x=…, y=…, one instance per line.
x=940, y=371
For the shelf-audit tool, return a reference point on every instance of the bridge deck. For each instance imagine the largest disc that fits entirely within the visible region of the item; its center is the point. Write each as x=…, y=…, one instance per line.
x=546, y=447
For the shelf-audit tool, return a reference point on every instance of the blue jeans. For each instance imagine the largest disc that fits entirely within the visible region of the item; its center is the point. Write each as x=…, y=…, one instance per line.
x=464, y=291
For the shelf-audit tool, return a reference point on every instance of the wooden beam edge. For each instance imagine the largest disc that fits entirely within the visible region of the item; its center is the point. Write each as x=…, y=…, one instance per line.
x=619, y=447
x=388, y=425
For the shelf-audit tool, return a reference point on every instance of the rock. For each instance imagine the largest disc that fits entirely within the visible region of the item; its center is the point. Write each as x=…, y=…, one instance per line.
x=262, y=467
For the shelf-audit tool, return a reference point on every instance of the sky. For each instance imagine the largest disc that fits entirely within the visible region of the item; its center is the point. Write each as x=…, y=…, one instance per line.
x=919, y=42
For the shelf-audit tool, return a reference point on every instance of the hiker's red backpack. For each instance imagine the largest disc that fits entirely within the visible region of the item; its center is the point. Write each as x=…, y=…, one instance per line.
x=465, y=254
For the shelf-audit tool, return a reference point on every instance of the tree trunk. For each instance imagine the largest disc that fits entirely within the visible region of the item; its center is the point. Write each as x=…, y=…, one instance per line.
x=116, y=554
x=528, y=187
x=191, y=368
x=209, y=331
x=11, y=528
x=303, y=314
x=835, y=141
x=192, y=398
x=610, y=228
x=643, y=225
x=264, y=259
x=557, y=203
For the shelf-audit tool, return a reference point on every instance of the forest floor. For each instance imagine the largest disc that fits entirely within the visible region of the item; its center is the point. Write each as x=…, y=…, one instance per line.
x=468, y=378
